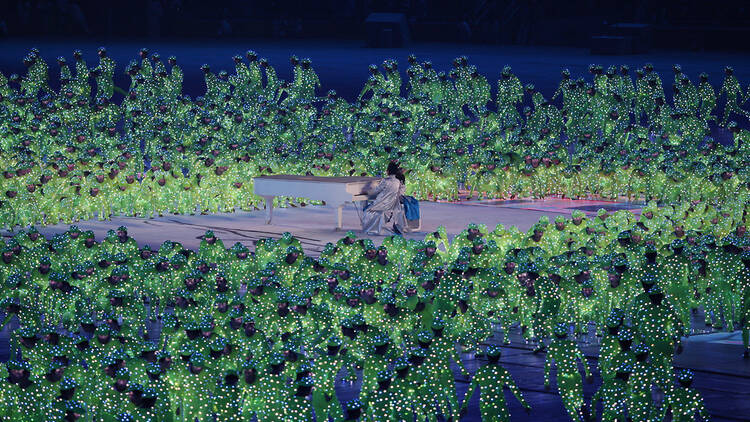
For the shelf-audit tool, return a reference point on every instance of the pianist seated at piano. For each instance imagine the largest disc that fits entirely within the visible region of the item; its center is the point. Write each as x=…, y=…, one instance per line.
x=387, y=204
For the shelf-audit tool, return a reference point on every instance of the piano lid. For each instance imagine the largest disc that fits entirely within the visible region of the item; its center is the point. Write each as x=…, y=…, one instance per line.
x=319, y=179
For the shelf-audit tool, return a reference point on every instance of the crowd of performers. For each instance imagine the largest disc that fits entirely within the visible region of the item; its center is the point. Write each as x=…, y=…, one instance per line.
x=268, y=333
x=73, y=152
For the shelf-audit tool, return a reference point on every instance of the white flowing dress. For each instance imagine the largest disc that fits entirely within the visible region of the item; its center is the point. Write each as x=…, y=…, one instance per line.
x=387, y=205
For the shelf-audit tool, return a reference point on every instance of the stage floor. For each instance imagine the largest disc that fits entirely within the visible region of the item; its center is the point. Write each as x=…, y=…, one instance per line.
x=314, y=225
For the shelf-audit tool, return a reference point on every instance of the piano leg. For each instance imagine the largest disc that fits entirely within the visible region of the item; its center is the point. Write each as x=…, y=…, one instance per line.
x=339, y=216
x=269, y=208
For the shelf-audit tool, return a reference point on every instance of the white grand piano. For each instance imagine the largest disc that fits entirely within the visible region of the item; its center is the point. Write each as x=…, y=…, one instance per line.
x=335, y=191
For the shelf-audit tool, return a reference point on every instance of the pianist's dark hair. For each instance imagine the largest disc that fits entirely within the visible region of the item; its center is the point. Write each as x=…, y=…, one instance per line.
x=394, y=169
